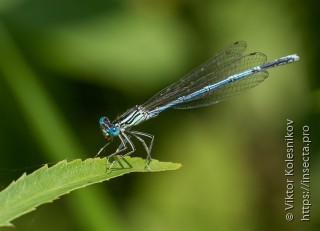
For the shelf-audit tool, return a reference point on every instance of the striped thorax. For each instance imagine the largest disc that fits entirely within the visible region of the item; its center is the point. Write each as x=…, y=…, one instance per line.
x=132, y=117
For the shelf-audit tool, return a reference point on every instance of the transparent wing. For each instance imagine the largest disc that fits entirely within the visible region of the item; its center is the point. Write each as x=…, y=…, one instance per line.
x=233, y=88
x=196, y=79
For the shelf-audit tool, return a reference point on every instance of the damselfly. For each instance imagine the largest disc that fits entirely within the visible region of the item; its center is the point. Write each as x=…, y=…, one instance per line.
x=228, y=73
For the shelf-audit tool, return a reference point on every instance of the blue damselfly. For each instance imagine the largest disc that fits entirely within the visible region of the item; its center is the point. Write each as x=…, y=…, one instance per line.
x=228, y=73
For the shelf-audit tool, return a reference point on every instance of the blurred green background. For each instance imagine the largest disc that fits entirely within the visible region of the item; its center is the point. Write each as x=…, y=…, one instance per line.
x=64, y=64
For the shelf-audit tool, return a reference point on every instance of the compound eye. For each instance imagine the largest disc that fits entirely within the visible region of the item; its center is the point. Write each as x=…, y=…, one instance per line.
x=104, y=121
x=114, y=130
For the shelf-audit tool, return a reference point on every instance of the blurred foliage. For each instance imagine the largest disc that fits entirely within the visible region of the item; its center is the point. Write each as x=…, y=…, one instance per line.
x=64, y=64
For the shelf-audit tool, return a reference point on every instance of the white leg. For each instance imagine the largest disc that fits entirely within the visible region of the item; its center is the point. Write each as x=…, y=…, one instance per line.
x=148, y=149
x=102, y=149
x=124, y=140
x=137, y=135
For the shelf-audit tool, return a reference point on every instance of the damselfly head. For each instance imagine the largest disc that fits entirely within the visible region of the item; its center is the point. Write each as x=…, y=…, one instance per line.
x=105, y=126
x=108, y=129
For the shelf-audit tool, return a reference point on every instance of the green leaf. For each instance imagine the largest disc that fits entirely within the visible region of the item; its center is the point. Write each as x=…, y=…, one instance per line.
x=48, y=183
